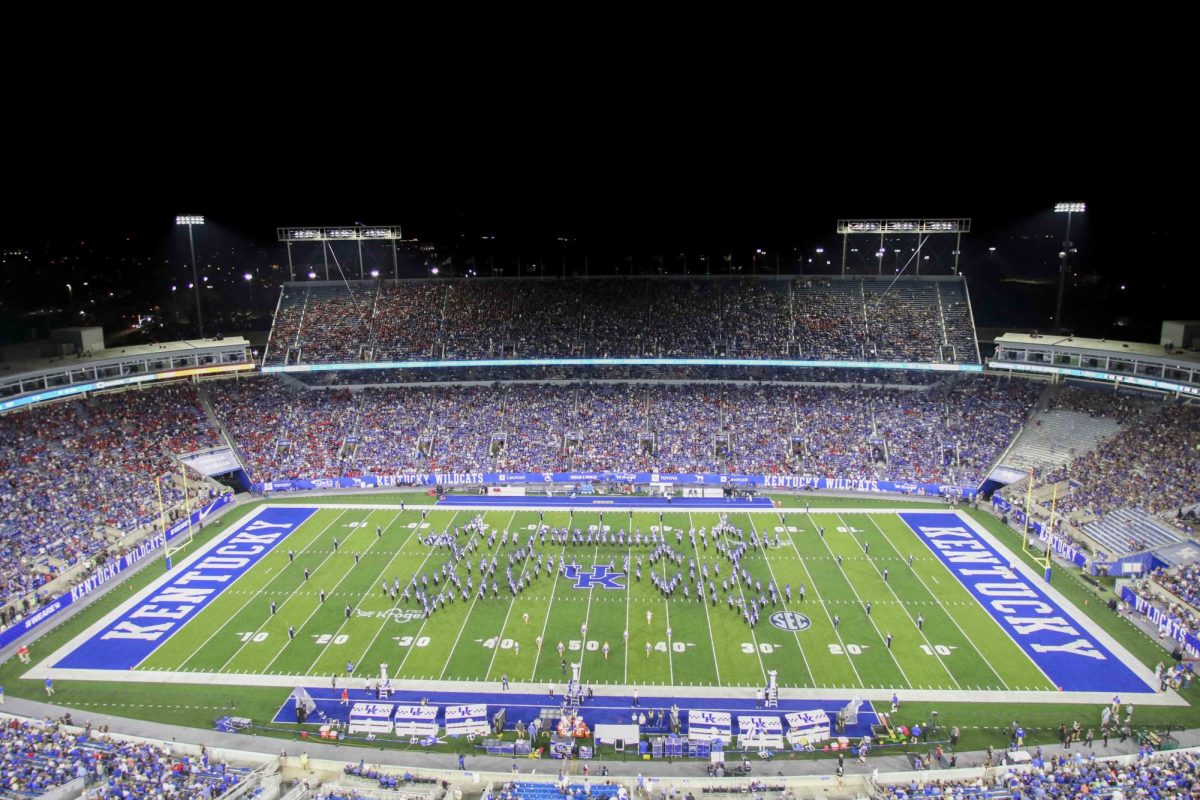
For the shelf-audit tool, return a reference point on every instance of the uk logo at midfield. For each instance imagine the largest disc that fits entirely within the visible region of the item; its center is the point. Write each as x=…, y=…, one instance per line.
x=790, y=621
x=598, y=575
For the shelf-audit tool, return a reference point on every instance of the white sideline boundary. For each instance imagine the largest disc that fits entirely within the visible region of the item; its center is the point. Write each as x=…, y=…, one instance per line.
x=43, y=670
x=610, y=690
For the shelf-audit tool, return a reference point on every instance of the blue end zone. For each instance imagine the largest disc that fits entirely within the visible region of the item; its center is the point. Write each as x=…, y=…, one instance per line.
x=128, y=640
x=604, y=710
x=1070, y=657
x=603, y=502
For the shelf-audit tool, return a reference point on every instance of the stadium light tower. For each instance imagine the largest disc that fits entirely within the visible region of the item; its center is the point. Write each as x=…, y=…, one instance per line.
x=346, y=233
x=922, y=229
x=1064, y=256
x=190, y=220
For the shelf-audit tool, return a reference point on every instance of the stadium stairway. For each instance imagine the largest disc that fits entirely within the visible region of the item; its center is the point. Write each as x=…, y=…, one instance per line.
x=1114, y=530
x=1052, y=438
x=215, y=420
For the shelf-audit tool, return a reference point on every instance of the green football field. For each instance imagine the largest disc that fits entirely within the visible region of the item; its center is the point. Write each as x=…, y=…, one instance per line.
x=958, y=646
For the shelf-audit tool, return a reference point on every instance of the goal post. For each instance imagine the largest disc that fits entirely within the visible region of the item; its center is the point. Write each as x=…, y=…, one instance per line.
x=184, y=538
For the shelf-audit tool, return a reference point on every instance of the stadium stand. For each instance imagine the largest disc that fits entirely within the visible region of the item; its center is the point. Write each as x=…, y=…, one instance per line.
x=402, y=326
x=1056, y=436
x=1153, y=459
x=1067, y=775
x=909, y=319
x=903, y=322
x=1125, y=490
x=1174, y=593
x=564, y=790
x=1183, y=582
x=289, y=315
x=958, y=321
x=829, y=319
x=757, y=319
x=1130, y=530
x=951, y=434
x=79, y=475
x=36, y=756
x=377, y=375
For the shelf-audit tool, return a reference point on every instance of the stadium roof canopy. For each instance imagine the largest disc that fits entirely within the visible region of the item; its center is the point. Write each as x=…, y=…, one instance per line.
x=37, y=380
x=93, y=357
x=1108, y=347
x=1179, y=554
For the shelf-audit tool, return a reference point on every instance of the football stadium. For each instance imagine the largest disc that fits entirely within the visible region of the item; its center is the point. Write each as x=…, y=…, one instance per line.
x=601, y=535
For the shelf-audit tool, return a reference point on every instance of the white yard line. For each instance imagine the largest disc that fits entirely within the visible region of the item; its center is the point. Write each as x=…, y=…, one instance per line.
x=738, y=583
x=670, y=642
x=808, y=575
x=1041, y=697
x=562, y=552
x=42, y=669
x=463, y=627
x=496, y=649
x=318, y=606
x=628, y=598
x=417, y=533
x=371, y=588
x=667, y=613
x=420, y=566
x=712, y=638
x=850, y=583
x=587, y=614
x=904, y=608
x=939, y=602
x=252, y=598
x=779, y=593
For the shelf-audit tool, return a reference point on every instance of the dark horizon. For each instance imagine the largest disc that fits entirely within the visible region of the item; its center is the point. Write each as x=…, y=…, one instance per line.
x=132, y=248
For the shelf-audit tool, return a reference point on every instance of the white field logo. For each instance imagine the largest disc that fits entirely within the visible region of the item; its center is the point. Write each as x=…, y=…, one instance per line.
x=790, y=621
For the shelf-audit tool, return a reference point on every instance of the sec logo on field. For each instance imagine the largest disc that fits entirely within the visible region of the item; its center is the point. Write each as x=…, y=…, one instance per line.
x=790, y=621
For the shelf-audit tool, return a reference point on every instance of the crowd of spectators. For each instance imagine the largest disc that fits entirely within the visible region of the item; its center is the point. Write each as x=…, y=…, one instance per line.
x=1153, y=463
x=904, y=322
x=80, y=472
x=283, y=431
x=829, y=319
x=1174, y=611
x=406, y=322
x=36, y=756
x=758, y=318
x=948, y=434
x=1068, y=775
x=1096, y=402
x=911, y=319
x=960, y=324
x=674, y=372
x=1183, y=582
x=77, y=472
x=324, y=323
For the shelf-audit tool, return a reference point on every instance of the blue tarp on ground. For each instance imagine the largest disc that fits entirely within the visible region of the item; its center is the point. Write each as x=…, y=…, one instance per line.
x=602, y=709
x=608, y=501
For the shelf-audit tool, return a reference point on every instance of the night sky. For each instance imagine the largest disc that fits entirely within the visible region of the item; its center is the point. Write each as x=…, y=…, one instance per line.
x=112, y=225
